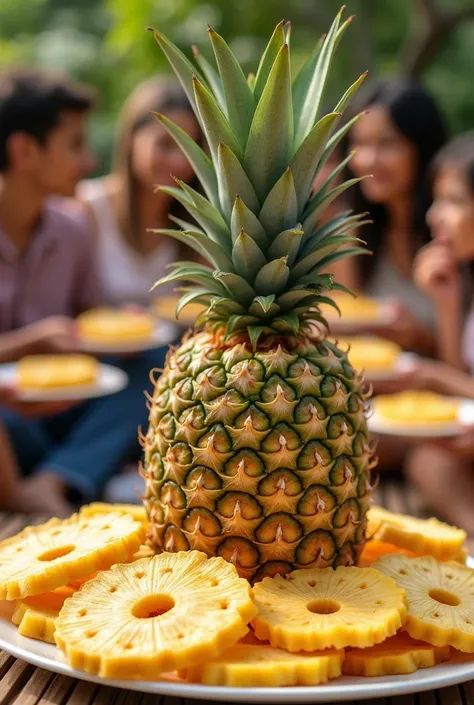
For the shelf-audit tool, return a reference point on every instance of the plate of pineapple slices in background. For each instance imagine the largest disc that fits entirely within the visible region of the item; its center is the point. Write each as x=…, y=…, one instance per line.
x=420, y=414
x=86, y=598
x=380, y=360
x=357, y=313
x=108, y=331
x=164, y=308
x=65, y=377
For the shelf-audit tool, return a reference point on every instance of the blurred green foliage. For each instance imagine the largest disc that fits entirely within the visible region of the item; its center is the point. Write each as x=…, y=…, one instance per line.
x=105, y=43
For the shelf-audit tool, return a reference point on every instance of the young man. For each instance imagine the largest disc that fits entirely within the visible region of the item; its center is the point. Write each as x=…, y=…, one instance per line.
x=48, y=275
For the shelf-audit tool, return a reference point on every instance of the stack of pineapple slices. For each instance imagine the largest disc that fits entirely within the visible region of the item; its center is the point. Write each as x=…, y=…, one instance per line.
x=187, y=613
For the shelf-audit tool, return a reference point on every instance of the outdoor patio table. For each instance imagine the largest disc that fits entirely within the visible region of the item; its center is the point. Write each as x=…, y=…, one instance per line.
x=23, y=684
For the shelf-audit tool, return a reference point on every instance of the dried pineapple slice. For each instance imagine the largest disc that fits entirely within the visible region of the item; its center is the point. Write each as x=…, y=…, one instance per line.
x=137, y=511
x=246, y=666
x=49, y=371
x=440, y=599
x=108, y=325
x=421, y=536
x=158, y=614
x=398, y=654
x=418, y=407
x=35, y=616
x=42, y=558
x=314, y=609
x=374, y=549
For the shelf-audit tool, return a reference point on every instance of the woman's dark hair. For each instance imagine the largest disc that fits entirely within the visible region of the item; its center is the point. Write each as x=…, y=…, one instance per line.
x=32, y=101
x=459, y=152
x=158, y=94
x=417, y=117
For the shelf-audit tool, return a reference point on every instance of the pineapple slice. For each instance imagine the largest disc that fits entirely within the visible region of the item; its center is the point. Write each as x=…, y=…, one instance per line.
x=42, y=558
x=107, y=325
x=35, y=616
x=374, y=549
x=420, y=536
x=251, y=666
x=371, y=353
x=440, y=599
x=158, y=614
x=94, y=509
x=416, y=407
x=355, y=308
x=398, y=654
x=50, y=371
x=296, y=612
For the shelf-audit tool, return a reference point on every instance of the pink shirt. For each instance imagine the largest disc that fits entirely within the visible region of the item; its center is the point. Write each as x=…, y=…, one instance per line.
x=56, y=275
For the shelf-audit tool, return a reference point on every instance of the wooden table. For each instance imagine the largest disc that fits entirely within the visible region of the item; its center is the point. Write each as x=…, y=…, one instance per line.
x=22, y=684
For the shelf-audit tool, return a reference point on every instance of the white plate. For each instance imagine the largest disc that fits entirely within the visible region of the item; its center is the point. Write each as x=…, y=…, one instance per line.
x=109, y=381
x=458, y=670
x=445, y=429
x=389, y=374
x=163, y=334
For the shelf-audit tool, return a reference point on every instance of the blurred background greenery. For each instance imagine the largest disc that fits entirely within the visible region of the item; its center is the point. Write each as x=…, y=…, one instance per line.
x=104, y=42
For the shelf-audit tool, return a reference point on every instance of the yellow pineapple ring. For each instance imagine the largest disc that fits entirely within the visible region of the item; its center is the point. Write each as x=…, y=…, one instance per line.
x=398, y=654
x=371, y=353
x=321, y=608
x=35, y=616
x=246, y=666
x=440, y=599
x=94, y=509
x=42, y=558
x=421, y=536
x=158, y=614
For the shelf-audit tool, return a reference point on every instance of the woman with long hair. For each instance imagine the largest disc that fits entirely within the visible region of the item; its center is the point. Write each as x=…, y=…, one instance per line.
x=125, y=205
x=395, y=139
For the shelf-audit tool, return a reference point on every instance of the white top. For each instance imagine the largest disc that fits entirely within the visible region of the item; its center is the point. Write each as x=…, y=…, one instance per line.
x=126, y=276
x=388, y=282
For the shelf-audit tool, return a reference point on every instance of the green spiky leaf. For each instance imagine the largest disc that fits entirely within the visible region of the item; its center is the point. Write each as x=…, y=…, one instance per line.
x=272, y=278
x=215, y=124
x=268, y=59
x=254, y=334
x=244, y=219
x=212, y=76
x=233, y=181
x=280, y=209
x=181, y=65
x=201, y=244
x=287, y=243
x=247, y=257
x=197, y=295
x=305, y=162
x=196, y=156
x=238, y=96
x=239, y=288
x=318, y=206
x=270, y=141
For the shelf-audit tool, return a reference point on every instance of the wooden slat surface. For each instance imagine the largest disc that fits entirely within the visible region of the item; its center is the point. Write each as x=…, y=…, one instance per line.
x=22, y=684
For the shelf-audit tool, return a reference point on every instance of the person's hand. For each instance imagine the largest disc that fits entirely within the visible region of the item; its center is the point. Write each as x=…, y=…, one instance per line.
x=436, y=272
x=461, y=446
x=56, y=334
x=9, y=398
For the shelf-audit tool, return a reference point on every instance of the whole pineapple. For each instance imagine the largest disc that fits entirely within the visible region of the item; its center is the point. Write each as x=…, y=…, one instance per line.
x=257, y=448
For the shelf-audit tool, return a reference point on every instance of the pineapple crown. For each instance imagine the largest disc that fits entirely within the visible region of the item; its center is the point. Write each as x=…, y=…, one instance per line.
x=259, y=222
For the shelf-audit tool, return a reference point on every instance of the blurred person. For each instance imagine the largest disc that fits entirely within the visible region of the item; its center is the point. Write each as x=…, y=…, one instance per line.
x=394, y=140
x=444, y=470
x=49, y=275
x=125, y=205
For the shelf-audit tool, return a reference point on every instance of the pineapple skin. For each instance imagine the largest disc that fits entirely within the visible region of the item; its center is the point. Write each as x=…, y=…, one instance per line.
x=262, y=458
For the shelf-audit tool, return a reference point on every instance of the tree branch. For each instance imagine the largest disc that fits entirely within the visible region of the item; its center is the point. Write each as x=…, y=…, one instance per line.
x=430, y=27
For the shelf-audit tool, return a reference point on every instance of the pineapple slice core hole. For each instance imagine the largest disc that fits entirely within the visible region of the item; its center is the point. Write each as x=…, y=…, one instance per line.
x=444, y=597
x=57, y=552
x=153, y=606
x=323, y=606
